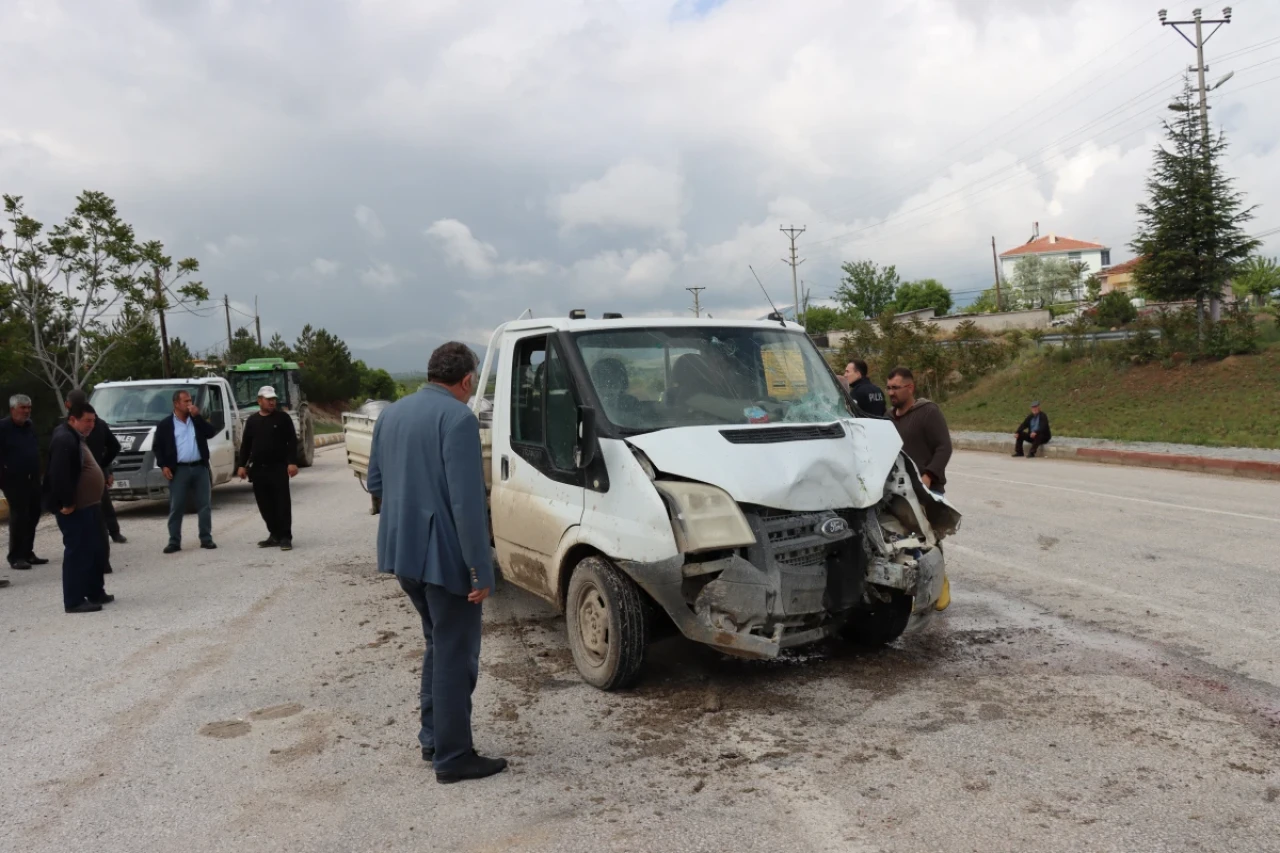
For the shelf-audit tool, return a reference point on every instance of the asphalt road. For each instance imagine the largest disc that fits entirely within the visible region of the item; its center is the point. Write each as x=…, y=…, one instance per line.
x=1106, y=679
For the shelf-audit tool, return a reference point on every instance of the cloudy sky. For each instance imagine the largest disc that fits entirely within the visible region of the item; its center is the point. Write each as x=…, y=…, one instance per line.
x=404, y=171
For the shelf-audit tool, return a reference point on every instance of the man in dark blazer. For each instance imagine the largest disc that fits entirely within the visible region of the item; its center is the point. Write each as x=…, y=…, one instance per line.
x=20, y=481
x=1034, y=429
x=425, y=466
x=181, y=448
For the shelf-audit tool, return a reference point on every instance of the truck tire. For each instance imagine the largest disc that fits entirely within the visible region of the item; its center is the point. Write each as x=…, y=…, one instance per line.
x=880, y=624
x=307, y=441
x=608, y=631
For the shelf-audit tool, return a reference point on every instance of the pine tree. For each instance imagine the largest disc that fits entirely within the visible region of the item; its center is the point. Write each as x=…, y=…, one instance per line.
x=1189, y=235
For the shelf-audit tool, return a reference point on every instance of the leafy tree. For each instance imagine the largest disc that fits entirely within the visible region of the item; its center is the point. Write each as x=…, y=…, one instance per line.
x=376, y=383
x=1115, y=309
x=136, y=354
x=67, y=285
x=180, y=357
x=820, y=319
x=243, y=347
x=1258, y=277
x=867, y=290
x=986, y=302
x=277, y=346
x=328, y=373
x=1190, y=230
x=1028, y=281
x=927, y=293
x=1093, y=287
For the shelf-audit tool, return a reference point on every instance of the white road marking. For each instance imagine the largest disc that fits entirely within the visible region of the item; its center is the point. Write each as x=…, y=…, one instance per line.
x=1006, y=481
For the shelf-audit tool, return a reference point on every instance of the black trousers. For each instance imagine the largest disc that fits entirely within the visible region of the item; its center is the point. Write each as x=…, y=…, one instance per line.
x=83, y=557
x=109, y=514
x=23, y=495
x=271, y=489
x=1025, y=436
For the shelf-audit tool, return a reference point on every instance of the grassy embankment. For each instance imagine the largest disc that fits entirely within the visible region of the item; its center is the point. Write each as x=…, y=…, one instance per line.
x=1230, y=403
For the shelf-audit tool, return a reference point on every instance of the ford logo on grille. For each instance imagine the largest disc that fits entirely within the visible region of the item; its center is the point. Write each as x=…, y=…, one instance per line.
x=834, y=528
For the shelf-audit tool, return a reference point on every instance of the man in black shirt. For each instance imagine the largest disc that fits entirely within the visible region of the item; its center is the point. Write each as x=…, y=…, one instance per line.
x=20, y=481
x=269, y=458
x=865, y=393
x=104, y=446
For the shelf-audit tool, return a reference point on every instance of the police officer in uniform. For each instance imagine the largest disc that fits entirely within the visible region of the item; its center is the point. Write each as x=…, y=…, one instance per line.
x=865, y=393
x=269, y=458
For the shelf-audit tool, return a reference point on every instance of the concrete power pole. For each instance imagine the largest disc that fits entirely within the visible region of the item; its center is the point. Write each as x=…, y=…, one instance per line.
x=792, y=233
x=995, y=262
x=697, y=304
x=166, y=366
x=226, y=305
x=1215, y=308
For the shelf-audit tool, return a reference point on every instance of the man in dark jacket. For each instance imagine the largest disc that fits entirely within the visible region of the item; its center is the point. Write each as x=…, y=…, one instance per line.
x=104, y=446
x=1035, y=429
x=20, y=481
x=181, y=448
x=865, y=392
x=925, y=437
x=269, y=458
x=73, y=489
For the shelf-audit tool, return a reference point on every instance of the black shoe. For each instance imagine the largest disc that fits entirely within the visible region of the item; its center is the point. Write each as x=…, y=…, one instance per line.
x=85, y=607
x=208, y=546
x=474, y=766
x=1031, y=456
x=20, y=566
x=108, y=570
x=5, y=582
x=428, y=753
x=118, y=538
x=269, y=542
x=107, y=598
x=1017, y=456
x=172, y=549
x=37, y=561
x=286, y=545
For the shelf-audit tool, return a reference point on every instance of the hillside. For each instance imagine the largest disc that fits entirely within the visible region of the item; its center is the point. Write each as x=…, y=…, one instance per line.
x=1231, y=403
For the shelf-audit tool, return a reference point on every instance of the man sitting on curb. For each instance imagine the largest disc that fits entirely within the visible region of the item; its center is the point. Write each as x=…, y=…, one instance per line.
x=1035, y=429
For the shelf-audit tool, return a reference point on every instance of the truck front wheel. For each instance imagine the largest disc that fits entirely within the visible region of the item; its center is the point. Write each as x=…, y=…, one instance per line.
x=880, y=624
x=608, y=630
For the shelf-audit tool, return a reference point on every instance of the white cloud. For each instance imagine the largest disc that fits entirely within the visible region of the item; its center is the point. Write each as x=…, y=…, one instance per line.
x=461, y=248
x=369, y=222
x=232, y=244
x=381, y=276
x=630, y=195
x=325, y=267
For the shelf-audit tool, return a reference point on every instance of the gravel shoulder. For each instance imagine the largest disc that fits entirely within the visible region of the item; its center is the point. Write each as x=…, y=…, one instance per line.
x=250, y=700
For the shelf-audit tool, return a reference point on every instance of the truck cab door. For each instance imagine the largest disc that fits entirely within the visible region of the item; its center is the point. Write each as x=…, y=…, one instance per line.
x=222, y=448
x=538, y=491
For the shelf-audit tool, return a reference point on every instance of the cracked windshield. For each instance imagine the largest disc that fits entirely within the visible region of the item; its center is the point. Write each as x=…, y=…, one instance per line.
x=649, y=379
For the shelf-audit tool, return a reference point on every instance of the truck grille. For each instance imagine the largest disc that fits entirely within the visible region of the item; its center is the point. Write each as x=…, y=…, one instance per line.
x=777, y=435
x=127, y=463
x=794, y=540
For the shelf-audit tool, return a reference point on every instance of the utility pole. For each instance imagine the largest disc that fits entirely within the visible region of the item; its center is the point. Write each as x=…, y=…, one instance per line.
x=995, y=262
x=226, y=304
x=166, y=368
x=792, y=233
x=697, y=305
x=257, y=321
x=1199, y=43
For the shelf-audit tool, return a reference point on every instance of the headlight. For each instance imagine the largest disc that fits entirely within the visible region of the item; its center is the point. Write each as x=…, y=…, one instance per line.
x=705, y=518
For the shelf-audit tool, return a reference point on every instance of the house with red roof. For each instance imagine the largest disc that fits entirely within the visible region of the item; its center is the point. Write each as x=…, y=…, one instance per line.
x=1119, y=277
x=1094, y=256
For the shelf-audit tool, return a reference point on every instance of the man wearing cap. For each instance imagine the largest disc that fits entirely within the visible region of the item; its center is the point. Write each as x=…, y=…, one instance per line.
x=269, y=458
x=1034, y=429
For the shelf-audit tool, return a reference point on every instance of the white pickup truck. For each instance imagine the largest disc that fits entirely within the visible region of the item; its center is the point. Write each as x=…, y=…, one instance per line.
x=134, y=408
x=710, y=473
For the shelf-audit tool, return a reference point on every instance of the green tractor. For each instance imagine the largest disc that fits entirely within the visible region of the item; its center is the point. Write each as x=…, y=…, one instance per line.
x=284, y=376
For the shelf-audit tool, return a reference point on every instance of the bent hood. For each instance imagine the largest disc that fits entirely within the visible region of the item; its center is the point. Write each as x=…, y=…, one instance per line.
x=793, y=467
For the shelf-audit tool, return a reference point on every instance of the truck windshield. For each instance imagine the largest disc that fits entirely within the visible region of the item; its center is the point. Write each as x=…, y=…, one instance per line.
x=245, y=386
x=123, y=405
x=658, y=378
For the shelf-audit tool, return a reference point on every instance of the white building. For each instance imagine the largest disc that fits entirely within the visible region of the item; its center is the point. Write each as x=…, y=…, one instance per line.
x=1094, y=256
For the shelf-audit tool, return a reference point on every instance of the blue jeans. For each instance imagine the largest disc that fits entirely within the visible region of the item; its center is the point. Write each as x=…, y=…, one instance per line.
x=194, y=480
x=84, y=555
x=450, y=666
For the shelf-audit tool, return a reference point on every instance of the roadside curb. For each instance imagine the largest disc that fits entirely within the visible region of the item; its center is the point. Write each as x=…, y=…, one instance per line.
x=1247, y=468
x=330, y=439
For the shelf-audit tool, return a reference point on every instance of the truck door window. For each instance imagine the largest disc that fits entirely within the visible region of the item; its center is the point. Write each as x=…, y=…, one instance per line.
x=527, y=391
x=562, y=413
x=214, y=411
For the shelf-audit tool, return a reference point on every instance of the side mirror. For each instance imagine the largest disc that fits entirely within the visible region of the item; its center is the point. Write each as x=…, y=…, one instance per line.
x=588, y=442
